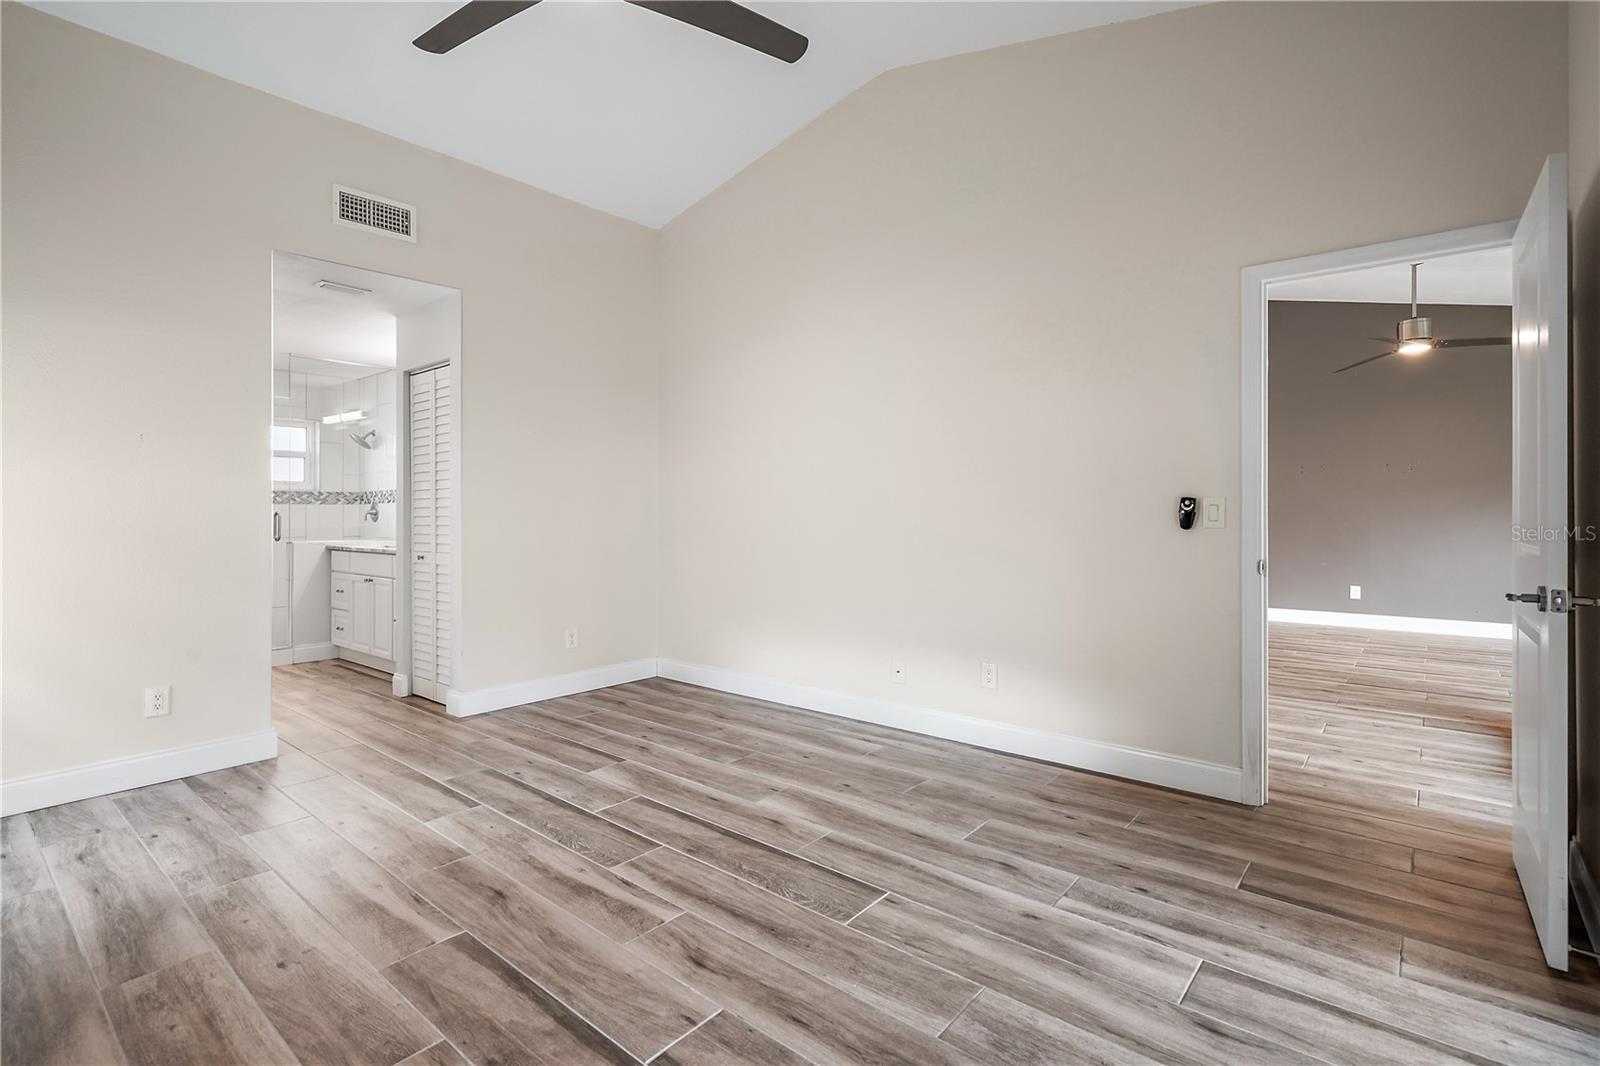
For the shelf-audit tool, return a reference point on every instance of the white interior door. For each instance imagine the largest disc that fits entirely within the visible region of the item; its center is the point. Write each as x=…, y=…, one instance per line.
x=1541, y=501
x=432, y=502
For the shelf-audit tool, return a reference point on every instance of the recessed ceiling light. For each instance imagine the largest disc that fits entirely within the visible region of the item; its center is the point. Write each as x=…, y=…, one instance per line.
x=339, y=286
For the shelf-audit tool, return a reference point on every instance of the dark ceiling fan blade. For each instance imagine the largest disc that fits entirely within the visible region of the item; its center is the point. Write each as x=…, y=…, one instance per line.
x=1475, y=342
x=1364, y=362
x=735, y=22
x=467, y=21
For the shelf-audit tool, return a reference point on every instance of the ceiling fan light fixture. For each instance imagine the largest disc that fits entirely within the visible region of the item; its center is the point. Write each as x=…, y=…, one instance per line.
x=1414, y=336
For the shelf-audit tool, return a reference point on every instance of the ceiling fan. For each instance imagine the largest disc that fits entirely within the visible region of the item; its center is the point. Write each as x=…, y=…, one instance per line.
x=1414, y=336
x=722, y=17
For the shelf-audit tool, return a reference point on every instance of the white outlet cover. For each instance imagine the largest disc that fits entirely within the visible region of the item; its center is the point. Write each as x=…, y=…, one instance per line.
x=989, y=675
x=897, y=672
x=158, y=701
x=1355, y=592
x=572, y=638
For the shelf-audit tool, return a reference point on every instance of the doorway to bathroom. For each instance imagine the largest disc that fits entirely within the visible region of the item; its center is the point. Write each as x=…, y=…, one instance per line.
x=363, y=457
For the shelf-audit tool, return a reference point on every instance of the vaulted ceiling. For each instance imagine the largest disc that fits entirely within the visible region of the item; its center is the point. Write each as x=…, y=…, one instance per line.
x=598, y=101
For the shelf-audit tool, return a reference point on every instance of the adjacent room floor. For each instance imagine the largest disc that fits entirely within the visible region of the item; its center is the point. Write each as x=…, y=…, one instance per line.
x=660, y=872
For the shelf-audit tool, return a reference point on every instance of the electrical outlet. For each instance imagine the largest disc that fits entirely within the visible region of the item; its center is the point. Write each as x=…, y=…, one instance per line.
x=1355, y=592
x=989, y=675
x=157, y=701
x=897, y=672
x=572, y=638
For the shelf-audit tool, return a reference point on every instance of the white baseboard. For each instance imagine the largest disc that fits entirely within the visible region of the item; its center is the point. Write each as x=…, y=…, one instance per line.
x=1447, y=627
x=314, y=653
x=282, y=656
x=1136, y=764
x=116, y=775
x=483, y=700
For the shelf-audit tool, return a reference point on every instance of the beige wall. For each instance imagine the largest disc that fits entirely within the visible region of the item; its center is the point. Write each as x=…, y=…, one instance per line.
x=943, y=361
x=1583, y=176
x=142, y=202
x=939, y=366
x=1395, y=476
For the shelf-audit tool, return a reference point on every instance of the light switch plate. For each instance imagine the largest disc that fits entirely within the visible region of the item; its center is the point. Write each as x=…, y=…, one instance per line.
x=1355, y=592
x=1214, y=512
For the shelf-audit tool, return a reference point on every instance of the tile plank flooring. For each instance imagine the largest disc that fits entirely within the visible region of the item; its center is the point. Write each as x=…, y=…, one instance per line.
x=661, y=873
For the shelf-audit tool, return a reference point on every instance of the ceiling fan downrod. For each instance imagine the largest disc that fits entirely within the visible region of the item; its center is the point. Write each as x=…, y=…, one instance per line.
x=1414, y=336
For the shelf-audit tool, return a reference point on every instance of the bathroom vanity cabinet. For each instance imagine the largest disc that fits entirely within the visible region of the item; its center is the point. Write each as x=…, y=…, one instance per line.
x=362, y=601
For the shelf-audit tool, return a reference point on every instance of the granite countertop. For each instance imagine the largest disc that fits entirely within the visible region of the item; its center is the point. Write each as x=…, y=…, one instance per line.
x=375, y=546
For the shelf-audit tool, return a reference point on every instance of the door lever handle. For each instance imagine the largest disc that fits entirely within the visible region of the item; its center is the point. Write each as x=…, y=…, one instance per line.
x=1559, y=601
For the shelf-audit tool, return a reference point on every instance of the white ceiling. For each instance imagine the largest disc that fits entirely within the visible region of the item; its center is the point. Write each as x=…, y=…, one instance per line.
x=602, y=102
x=347, y=328
x=1482, y=277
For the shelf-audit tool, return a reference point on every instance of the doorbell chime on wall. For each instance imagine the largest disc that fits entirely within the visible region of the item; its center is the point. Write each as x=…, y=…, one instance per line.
x=1186, y=512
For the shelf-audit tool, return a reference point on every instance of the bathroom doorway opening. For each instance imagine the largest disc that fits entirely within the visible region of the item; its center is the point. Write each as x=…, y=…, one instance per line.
x=365, y=462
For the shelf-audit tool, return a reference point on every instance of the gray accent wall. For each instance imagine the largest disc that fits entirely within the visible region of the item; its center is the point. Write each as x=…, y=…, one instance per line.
x=1395, y=476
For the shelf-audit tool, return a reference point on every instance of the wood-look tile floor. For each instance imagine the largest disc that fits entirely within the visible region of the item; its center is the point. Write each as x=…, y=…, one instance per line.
x=656, y=872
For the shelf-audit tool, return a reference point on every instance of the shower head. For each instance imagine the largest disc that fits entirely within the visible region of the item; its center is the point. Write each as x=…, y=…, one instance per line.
x=367, y=439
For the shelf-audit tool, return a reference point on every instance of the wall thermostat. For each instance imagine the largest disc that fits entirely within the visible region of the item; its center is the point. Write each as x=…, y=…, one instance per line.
x=1186, y=512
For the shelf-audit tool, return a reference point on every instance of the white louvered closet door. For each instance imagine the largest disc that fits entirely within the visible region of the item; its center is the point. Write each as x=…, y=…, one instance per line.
x=432, y=551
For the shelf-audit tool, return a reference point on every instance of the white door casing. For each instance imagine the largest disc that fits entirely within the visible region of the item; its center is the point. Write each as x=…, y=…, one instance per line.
x=1255, y=569
x=1540, y=516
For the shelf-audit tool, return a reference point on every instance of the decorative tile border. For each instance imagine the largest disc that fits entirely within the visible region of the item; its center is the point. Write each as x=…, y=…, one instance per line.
x=298, y=496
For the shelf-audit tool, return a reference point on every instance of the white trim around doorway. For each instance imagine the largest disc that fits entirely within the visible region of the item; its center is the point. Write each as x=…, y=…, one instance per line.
x=1253, y=568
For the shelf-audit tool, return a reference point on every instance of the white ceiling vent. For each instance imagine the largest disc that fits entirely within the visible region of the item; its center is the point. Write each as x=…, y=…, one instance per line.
x=378, y=214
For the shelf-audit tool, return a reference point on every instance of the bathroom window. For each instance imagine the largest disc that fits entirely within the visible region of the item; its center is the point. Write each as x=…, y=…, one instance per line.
x=294, y=454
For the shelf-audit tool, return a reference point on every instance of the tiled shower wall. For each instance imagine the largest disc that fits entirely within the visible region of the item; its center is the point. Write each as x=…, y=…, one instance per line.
x=342, y=465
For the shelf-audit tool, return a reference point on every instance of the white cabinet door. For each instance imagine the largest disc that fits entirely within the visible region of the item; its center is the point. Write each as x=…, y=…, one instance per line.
x=361, y=597
x=382, y=616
